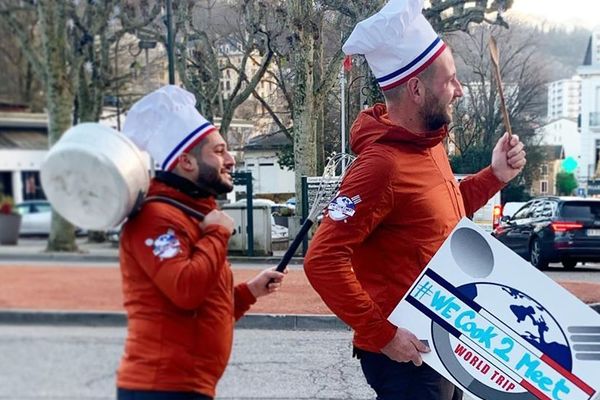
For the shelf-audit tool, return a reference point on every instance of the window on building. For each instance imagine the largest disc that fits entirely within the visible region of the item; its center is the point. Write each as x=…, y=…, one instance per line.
x=32, y=188
x=544, y=169
x=543, y=187
x=227, y=85
x=597, y=153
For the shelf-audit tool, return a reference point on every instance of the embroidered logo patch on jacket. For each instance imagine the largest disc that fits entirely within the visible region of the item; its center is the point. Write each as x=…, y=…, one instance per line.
x=165, y=246
x=342, y=207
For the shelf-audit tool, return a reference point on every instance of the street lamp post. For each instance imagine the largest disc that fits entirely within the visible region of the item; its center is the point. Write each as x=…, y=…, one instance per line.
x=170, y=42
x=343, y=113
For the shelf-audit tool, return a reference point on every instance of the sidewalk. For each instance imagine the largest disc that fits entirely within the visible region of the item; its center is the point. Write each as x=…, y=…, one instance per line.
x=34, y=249
x=87, y=291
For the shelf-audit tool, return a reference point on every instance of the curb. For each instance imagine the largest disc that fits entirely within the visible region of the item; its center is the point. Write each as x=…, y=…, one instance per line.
x=291, y=322
x=304, y=322
x=266, y=260
x=60, y=257
x=62, y=318
x=294, y=322
x=96, y=258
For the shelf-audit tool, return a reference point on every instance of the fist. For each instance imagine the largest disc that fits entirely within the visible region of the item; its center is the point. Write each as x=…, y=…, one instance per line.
x=216, y=217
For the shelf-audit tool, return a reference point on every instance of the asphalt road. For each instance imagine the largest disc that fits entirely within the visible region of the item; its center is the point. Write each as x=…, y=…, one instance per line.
x=77, y=363
x=588, y=272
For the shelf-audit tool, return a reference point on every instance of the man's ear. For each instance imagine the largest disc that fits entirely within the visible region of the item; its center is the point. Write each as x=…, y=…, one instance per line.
x=416, y=90
x=186, y=162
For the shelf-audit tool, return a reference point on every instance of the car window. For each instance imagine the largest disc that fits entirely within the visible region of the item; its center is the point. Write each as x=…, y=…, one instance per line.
x=537, y=209
x=523, y=212
x=547, y=209
x=581, y=210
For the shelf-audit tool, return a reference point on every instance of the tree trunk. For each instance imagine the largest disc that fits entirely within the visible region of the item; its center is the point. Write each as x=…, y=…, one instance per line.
x=300, y=12
x=319, y=105
x=59, y=100
x=90, y=94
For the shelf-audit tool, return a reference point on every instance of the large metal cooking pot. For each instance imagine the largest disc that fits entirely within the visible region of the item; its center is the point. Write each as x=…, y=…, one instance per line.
x=94, y=176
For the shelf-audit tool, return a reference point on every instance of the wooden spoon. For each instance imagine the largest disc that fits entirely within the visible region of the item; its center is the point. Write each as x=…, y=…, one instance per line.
x=496, y=64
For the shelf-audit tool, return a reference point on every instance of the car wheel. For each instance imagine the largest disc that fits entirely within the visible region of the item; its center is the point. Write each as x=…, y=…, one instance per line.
x=569, y=264
x=536, y=256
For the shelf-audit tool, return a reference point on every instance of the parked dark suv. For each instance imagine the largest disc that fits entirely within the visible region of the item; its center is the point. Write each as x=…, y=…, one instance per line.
x=552, y=229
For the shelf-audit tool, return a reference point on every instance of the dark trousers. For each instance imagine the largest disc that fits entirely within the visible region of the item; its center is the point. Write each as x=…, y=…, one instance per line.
x=127, y=394
x=392, y=380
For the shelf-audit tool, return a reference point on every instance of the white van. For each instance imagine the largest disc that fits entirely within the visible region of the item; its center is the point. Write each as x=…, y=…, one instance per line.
x=488, y=216
x=511, y=207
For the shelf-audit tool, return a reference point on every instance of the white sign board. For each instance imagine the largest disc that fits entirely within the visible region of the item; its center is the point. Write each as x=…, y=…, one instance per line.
x=499, y=328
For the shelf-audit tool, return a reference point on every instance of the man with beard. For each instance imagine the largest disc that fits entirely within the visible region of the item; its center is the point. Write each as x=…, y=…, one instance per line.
x=177, y=283
x=405, y=199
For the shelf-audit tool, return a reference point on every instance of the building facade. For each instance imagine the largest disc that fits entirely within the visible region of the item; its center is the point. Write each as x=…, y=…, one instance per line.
x=545, y=184
x=564, y=99
x=261, y=159
x=562, y=132
x=590, y=111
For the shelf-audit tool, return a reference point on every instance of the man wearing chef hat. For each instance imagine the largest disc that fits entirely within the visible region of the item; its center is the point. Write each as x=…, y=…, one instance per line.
x=177, y=283
x=403, y=195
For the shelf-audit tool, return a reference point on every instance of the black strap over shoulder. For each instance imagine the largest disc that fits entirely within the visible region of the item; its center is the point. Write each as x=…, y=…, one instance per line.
x=167, y=200
x=141, y=200
x=188, y=210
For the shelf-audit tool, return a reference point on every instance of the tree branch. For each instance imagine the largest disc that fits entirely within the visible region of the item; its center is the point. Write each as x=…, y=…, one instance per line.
x=273, y=115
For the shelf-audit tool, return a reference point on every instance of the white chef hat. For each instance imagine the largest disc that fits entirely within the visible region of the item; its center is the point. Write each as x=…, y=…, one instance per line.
x=398, y=42
x=165, y=123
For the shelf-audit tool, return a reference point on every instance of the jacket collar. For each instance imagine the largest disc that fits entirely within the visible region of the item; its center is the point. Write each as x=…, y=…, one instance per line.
x=184, y=185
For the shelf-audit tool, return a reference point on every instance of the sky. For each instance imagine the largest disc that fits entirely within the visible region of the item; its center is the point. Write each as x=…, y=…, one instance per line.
x=584, y=13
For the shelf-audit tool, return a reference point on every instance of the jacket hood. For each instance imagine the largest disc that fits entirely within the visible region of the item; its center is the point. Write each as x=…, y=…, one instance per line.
x=373, y=126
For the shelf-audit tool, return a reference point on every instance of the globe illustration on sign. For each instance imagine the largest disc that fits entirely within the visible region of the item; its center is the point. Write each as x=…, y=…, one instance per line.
x=525, y=316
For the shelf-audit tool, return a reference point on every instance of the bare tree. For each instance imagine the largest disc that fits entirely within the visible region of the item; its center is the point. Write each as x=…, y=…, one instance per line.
x=20, y=83
x=54, y=63
x=478, y=119
x=71, y=64
x=224, y=44
x=314, y=72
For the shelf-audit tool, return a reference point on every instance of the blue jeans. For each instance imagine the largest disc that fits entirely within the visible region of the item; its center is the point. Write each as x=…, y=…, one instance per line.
x=127, y=394
x=392, y=380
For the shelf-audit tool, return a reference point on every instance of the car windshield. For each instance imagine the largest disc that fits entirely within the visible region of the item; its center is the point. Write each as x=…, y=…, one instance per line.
x=33, y=208
x=581, y=210
x=42, y=207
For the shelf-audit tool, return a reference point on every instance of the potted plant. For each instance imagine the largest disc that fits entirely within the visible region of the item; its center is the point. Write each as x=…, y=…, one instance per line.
x=10, y=221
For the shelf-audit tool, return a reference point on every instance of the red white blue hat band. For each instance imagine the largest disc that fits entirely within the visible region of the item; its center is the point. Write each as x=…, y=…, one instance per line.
x=187, y=144
x=414, y=68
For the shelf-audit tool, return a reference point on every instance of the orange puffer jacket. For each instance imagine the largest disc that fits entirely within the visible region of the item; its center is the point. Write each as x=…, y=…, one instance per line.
x=397, y=204
x=179, y=296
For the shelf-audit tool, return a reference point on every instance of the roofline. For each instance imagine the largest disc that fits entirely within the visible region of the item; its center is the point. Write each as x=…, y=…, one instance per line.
x=23, y=120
